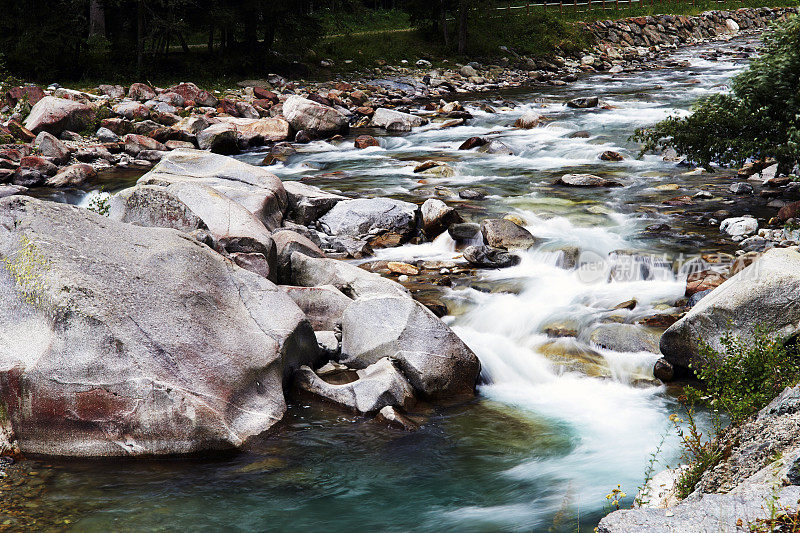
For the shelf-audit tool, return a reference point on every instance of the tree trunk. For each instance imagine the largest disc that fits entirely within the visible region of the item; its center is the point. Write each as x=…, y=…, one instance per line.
x=463, y=8
x=211, y=38
x=97, y=19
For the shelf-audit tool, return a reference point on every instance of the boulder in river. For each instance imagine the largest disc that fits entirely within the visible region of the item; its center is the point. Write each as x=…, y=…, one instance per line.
x=584, y=102
x=324, y=305
x=49, y=146
x=379, y=385
x=434, y=360
x=488, y=257
x=739, y=226
x=319, y=119
x=437, y=217
x=125, y=340
x=371, y=216
x=528, y=120
x=259, y=191
x=502, y=233
x=55, y=115
x=395, y=120
x=760, y=295
x=219, y=138
x=308, y=203
x=353, y=281
x=495, y=147
x=586, y=180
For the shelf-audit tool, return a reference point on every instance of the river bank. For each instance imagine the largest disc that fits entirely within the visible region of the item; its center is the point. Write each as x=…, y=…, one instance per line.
x=545, y=370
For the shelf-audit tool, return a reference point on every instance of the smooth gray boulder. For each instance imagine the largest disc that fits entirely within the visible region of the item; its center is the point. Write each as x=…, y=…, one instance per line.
x=122, y=340
x=437, y=216
x=352, y=281
x=50, y=146
x=379, y=385
x=323, y=305
x=153, y=206
x=505, y=234
x=364, y=216
x=434, y=360
x=395, y=120
x=586, y=180
x=308, y=203
x=762, y=295
x=322, y=120
x=259, y=191
x=55, y=115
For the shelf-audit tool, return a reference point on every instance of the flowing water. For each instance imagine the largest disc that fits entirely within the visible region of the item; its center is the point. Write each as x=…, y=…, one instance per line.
x=557, y=423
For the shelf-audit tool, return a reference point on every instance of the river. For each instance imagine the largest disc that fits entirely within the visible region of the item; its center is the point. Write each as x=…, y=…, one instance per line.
x=557, y=423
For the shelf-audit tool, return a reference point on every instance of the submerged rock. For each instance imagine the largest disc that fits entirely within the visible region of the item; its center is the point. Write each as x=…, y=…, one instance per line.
x=151, y=344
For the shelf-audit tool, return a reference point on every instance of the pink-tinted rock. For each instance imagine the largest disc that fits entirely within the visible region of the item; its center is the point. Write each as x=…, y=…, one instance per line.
x=55, y=115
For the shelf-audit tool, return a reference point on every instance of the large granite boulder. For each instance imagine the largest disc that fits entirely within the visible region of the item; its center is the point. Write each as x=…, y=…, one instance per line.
x=55, y=115
x=319, y=119
x=117, y=339
x=365, y=216
x=434, y=360
x=762, y=295
x=323, y=305
x=259, y=191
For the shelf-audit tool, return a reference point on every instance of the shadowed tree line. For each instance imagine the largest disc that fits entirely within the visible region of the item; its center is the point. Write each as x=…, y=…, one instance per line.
x=57, y=39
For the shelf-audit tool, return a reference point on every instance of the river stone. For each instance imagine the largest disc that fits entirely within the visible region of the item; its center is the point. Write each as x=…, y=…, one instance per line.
x=584, y=102
x=49, y=146
x=739, y=226
x=259, y=191
x=137, y=341
x=153, y=206
x=586, y=180
x=495, y=148
x=437, y=217
x=395, y=120
x=379, y=385
x=487, y=257
x=274, y=129
x=55, y=115
x=502, y=233
x=392, y=417
x=131, y=110
x=433, y=359
x=321, y=120
x=73, y=175
x=371, y=216
x=323, y=305
x=352, y=281
x=307, y=203
x=624, y=338
x=464, y=232
x=528, y=120
x=219, y=138
x=760, y=295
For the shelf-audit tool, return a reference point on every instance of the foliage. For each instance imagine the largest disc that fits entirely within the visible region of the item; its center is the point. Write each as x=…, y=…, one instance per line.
x=699, y=453
x=26, y=268
x=759, y=119
x=100, y=204
x=746, y=376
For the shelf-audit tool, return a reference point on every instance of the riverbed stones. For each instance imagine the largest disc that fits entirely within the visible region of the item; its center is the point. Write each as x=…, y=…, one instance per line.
x=759, y=296
x=365, y=141
x=495, y=147
x=505, y=234
x=55, y=115
x=377, y=386
x=435, y=361
x=320, y=119
x=392, y=120
x=624, y=338
x=133, y=365
x=259, y=191
x=373, y=216
x=72, y=175
x=528, y=120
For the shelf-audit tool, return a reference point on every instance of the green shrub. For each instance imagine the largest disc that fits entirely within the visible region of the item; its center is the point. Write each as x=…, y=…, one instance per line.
x=746, y=376
x=759, y=119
